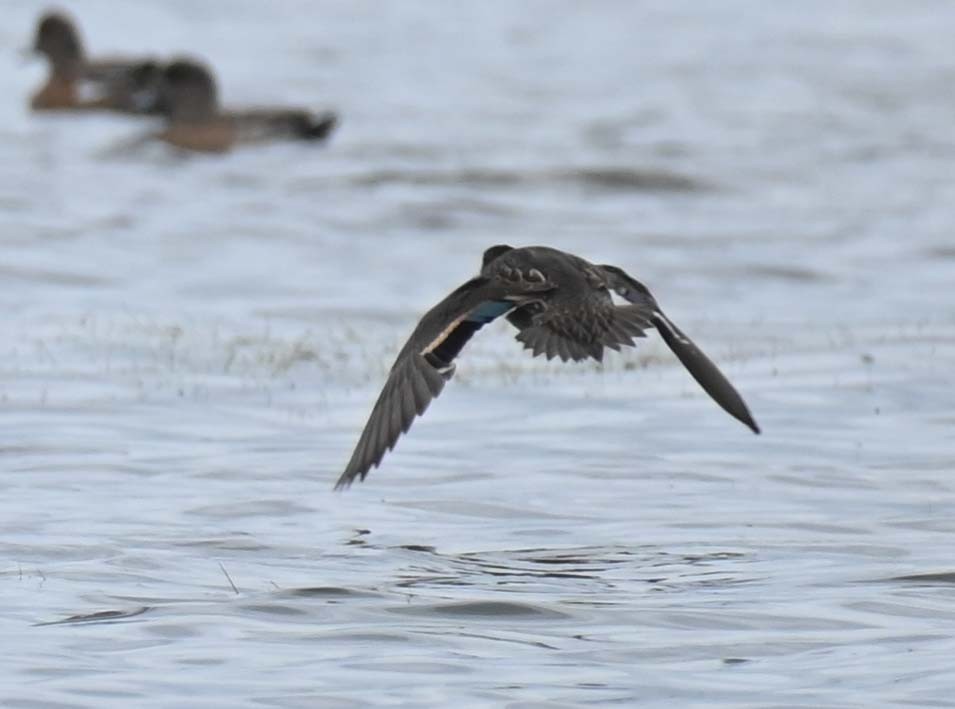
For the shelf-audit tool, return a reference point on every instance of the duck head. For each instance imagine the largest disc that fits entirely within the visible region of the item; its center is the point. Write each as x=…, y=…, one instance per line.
x=187, y=92
x=57, y=39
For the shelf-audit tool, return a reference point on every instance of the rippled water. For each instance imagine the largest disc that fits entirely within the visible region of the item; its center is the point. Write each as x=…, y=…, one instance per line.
x=191, y=346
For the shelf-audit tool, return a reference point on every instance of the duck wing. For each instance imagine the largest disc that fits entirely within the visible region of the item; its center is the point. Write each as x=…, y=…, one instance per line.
x=125, y=85
x=426, y=363
x=697, y=364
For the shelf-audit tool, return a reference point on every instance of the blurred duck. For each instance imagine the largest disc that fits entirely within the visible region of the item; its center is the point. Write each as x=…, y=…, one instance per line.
x=76, y=83
x=188, y=98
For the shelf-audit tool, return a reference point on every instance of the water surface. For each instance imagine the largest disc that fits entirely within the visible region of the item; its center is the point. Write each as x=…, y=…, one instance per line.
x=190, y=347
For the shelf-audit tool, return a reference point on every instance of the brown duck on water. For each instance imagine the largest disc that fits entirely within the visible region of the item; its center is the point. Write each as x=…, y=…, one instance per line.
x=76, y=82
x=188, y=98
x=561, y=306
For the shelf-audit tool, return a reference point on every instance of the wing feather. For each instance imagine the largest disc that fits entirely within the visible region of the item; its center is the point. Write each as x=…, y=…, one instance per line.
x=700, y=367
x=424, y=365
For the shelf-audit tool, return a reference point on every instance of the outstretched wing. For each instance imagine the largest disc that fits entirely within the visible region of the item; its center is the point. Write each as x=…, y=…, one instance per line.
x=698, y=364
x=423, y=366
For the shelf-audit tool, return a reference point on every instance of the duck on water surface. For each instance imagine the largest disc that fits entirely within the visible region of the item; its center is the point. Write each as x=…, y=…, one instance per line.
x=77, y=82
x=188, y=98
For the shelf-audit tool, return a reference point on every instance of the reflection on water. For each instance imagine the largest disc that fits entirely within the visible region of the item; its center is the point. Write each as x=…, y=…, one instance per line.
x=100, y=617
x=190, y=347
x=598, y=179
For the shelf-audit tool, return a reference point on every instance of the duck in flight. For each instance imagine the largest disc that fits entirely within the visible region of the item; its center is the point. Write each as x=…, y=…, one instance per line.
x=561, y=306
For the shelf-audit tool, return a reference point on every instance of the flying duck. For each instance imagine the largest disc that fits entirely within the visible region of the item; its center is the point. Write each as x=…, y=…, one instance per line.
x=561, y=306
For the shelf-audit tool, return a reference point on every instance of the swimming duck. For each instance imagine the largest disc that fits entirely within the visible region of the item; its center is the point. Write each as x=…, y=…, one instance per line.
x=561, y=306
x=78, y=83
x=188, y=98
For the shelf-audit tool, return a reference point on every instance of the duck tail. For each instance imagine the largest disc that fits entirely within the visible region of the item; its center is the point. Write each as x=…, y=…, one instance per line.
x=317, y=127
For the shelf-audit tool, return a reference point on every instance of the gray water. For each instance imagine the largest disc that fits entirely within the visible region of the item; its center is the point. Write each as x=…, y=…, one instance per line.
x=189, y=348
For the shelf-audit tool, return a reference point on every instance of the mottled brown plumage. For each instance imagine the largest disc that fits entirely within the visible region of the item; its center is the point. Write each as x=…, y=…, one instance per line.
x=561, y=306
